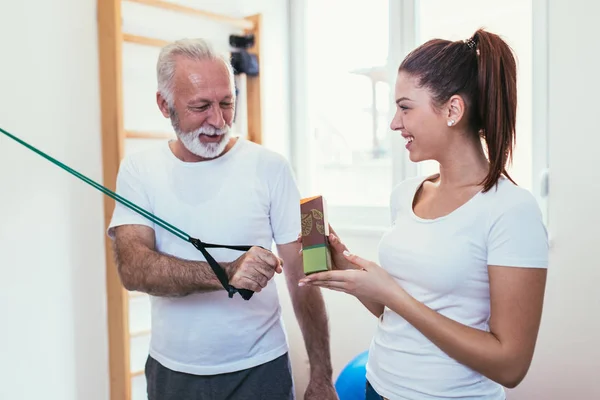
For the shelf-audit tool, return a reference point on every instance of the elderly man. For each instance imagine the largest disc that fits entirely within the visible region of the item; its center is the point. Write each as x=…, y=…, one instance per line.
x=221, y=189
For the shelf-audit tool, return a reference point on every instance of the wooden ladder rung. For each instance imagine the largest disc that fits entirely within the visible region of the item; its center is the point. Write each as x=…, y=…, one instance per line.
x=166, y=5
x=144, y=40
x=148, y=135
x=137, y=373
x=144, y=332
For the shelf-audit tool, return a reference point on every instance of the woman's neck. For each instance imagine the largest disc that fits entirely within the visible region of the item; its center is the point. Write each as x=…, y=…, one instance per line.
x=463, y=165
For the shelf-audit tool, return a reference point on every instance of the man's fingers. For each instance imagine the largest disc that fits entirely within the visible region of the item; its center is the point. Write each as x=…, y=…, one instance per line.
x=270, y=258
x=246, y=284
x=258, y=269
x=248, y=280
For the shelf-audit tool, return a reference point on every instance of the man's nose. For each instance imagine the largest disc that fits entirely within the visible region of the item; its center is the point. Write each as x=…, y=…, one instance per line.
x=216, y=118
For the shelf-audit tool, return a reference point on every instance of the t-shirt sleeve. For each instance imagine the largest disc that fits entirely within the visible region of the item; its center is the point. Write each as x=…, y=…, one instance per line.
x=130, y=186
x=285, y=207
x=518, y=236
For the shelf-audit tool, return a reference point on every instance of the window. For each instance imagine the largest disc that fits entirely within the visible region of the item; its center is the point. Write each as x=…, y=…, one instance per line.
x=349, y=101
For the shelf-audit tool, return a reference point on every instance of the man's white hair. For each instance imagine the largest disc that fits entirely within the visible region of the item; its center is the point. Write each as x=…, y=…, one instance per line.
x=194, y=49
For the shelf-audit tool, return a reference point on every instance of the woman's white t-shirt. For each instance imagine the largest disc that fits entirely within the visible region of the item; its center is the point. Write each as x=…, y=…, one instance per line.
x=443, y=263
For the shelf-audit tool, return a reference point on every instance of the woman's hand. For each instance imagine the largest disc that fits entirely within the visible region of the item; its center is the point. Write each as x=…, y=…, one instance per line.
x=337, y=249
x=363, y=279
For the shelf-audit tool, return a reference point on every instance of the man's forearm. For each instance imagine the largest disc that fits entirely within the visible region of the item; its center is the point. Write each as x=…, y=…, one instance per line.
x=311, y=314
x=158, y=274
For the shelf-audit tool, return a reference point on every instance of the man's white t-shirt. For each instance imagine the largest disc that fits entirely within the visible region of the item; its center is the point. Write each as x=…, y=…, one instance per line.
x=443, y=263
x=248, y=196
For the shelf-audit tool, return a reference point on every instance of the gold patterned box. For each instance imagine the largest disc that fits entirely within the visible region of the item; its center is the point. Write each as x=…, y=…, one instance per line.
x=315, y=229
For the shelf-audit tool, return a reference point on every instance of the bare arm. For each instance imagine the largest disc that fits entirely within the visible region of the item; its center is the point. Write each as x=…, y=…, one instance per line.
x=310, y=311
x=504, y=354
x=144, y=269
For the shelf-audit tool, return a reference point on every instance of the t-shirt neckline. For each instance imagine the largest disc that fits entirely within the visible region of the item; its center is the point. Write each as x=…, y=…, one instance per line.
x=443, y=217
x=198, y=164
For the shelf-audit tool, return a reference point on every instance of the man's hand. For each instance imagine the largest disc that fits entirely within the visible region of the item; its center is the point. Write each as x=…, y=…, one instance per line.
x=320, y=389
x=254, y=269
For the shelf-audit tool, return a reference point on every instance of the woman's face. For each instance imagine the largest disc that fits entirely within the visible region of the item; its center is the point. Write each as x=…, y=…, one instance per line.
x=424, y=128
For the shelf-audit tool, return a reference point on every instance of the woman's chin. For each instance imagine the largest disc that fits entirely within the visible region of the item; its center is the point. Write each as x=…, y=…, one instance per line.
x=414, y=156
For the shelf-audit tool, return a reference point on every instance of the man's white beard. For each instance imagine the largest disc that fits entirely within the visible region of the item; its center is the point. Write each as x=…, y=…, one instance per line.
x=191, y=140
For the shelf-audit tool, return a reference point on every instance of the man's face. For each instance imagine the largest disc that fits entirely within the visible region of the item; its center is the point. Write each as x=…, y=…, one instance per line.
x=203, y=106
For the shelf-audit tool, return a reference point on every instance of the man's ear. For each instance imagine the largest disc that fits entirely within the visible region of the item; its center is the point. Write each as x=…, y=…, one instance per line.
x=163, y=105
x=456, y=110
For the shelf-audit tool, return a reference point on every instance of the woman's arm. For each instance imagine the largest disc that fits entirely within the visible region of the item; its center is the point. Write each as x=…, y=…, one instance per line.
x=504, y=354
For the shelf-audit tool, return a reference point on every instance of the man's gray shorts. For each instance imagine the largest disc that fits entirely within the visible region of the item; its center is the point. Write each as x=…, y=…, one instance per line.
x=270, y=381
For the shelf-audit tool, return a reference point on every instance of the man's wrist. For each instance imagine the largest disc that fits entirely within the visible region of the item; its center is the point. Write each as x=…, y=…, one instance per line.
x=321, y=372
x=228, y=268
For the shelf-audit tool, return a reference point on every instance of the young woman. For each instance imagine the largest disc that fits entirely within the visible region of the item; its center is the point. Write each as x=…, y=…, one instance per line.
x=460, y=288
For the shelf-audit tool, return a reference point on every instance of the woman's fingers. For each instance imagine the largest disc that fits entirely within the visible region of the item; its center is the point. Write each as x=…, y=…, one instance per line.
x=335, y=244
x=358, y=261
x=331, y=230
x=333, y=285
x=328, y=276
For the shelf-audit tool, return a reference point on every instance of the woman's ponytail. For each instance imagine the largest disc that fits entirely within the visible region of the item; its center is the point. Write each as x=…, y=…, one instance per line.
x=497, y=102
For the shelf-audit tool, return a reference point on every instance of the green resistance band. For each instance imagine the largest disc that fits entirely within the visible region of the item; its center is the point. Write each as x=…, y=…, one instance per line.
x=197, y=243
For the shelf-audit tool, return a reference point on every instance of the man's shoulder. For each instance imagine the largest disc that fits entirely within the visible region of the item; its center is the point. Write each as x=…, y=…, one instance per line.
x=143, y=158
x=262, y=150
x=269, y=157
x=148, y=153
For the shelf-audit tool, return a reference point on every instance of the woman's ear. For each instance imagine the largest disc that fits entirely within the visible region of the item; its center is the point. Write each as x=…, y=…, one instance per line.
x=456, y=110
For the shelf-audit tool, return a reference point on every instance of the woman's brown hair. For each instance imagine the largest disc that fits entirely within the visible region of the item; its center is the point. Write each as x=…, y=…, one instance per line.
x=482, y=70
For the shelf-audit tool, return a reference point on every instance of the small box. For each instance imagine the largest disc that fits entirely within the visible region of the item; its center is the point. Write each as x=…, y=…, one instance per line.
x=315, y=229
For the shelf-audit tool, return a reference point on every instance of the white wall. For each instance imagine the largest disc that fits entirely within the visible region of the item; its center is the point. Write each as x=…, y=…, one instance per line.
x=567, y=360
x=53, y=338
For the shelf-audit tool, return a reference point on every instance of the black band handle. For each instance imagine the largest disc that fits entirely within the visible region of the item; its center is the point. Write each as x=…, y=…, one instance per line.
x=218, y=270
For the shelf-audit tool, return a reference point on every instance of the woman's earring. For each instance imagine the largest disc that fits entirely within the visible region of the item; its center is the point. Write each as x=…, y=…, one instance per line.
x=451, y=122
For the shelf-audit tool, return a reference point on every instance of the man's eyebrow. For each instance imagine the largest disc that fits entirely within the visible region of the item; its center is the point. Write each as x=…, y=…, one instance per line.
x=199, y=100
x=203, y=100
